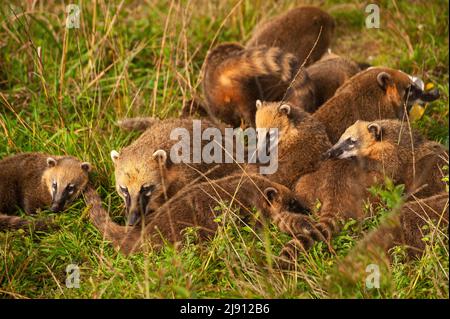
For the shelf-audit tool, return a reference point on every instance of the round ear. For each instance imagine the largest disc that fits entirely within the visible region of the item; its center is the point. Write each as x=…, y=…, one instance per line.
x=51, y=162
x=284, y=108
x=384, y=80
x=258, y=104
x=86, y=166
x=375, y=130
x=114, y=155
x=270, y=193
x=160, y=155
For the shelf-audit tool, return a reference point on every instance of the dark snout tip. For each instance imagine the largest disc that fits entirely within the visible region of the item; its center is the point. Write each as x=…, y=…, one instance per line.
x=431, y=95
x=326, y=155
x=56, y=208
x=133, y=219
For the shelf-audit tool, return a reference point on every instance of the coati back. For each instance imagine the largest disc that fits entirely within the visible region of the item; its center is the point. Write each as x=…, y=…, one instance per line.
x=196, y=207
x=32, y=181
x=144, y=172
x=327, y=75
x=370, y=95
x=296, y=32
x=229, y=83
x=364, y=156
x=302, y=140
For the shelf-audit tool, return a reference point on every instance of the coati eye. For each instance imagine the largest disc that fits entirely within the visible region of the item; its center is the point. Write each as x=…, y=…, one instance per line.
x=70, y=188
x=124, y=190
x=54, y=185
x=296, y=207
x=147, y=189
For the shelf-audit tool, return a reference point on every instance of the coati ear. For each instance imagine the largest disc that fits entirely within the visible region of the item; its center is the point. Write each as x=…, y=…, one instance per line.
x=384, y=80
x=375, y=129
x=284, y=108
x=86, y=166
x=51, y=162
x=270, y=193
x=258, y=104
x=161, y=155
x=114, y=155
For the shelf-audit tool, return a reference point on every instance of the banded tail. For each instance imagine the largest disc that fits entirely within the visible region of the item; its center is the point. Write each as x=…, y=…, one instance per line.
x=15, y=223
x=137, y=123
x=254, y=62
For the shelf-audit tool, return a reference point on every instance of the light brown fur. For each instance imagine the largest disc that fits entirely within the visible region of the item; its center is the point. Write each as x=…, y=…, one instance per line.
x=368, y=152
x=195, y=207
x=144, y=167
x=302, y=140
x=26, y=182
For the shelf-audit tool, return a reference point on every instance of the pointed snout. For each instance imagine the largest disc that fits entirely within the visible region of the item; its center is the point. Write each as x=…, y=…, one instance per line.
x=429, y=96
x=57, y=207
x=333, y=152
x=134, y=217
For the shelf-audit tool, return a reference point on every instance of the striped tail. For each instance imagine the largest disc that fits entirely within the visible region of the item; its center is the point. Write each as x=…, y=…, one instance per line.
x=306, y=232
x=254, y=62
x=137, y=123
x=121, y=236
x=15, y=223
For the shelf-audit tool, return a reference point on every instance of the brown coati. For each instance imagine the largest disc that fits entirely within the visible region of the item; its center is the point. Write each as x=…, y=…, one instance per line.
x=406, y=227
x=370, y=95
x=229, y=83
x=145, y=173
x=365, y=155
x=326, y=76
x=302, y=140
x=32, y=181
x=196, y=206
x=297, y=32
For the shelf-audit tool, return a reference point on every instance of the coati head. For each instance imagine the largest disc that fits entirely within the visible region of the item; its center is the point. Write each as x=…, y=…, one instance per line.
x=400, y=89
x=371, y=139
x=65, y=178
x=282, y=116
x=280, y=198
x=139, y=181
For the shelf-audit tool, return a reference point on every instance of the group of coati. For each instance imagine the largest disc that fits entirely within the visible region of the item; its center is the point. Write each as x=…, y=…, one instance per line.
x=342, y=129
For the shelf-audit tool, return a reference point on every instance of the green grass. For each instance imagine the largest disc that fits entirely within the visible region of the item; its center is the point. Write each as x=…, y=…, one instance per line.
x=130, y=59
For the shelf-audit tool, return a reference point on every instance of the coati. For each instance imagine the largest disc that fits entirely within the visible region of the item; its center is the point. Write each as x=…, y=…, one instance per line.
x=326, y=76
x=372, y=94
x=236, y=76
x=302, y=140
x=32, y=181
x=406, y=227
x=229, y=82
x=196, y=206
x=144, y=172
x=365, y=154
x=296, y=32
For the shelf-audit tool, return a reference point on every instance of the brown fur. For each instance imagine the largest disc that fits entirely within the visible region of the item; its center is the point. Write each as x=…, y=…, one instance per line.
x=229, y=80
x=363, y=98
x=341, y=184
x=295, y=32
x=406, y=227
x=26, y=183
x=327, y=75
x=137, y=166
x=195, y=207
x=301, y=143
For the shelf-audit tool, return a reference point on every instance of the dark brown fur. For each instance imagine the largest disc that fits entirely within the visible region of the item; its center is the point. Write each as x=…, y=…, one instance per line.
x=195, y=207
x=295, y=32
